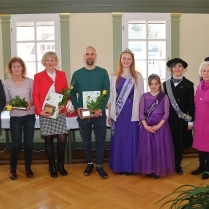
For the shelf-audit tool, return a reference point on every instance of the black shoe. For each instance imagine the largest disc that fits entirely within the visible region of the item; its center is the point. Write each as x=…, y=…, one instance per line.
x=155, y=176
x=121, y=173
x=52, y=170
x=179, y=170
x=28, y=173
x=198, y=171
x=100, y=171
x=205, y=176
x=127, y=174
x=89, y=169
x=13, y=175
x=61, y=169
x=149, y=175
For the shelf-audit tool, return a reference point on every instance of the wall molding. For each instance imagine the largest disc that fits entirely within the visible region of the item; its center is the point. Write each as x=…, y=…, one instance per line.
x=102, y=6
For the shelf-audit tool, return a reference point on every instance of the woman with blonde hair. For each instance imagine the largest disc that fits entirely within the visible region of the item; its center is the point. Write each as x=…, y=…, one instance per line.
x=126, y=88
x=51, y=80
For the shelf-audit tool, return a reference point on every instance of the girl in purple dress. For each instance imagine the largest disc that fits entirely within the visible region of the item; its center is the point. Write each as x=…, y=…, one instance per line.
x=156, y=154
x=126, y=88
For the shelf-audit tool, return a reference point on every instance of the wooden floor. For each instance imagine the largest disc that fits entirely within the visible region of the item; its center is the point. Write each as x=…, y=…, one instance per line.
x=81, y=192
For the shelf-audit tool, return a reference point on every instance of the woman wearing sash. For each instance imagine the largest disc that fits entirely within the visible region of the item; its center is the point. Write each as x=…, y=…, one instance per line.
x=126, y=88
x=201, y=122
x=181, y=95
x=156, y=153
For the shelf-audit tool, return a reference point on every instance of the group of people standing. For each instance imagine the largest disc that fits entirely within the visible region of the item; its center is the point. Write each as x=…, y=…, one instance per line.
x=149, y=131
x=34, y=93
x=166, y=120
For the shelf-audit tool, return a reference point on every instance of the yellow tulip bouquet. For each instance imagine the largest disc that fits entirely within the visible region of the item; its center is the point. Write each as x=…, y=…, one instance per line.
x=17, y=103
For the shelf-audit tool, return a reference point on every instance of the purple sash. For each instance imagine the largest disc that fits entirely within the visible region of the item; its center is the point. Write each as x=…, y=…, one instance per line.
x=153, y=106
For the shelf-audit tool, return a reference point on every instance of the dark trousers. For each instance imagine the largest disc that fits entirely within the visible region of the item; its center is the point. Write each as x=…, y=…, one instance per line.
x=99, y=125
x=18, y=125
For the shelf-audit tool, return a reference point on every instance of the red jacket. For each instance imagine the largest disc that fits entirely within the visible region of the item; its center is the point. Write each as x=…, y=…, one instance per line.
x=41, y=85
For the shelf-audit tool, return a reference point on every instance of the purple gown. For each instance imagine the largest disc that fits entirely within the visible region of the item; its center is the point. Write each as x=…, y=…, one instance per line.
x=156, y=152
x=124, y=141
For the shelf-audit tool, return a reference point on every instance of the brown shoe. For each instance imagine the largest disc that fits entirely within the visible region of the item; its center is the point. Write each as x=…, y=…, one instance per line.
x=29, y=173
x=13, y=175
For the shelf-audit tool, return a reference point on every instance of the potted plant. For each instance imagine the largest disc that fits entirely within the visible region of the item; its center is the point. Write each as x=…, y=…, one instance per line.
x=188, y=197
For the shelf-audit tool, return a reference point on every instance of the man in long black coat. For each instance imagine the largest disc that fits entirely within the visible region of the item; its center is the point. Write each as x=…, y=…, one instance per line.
x=183, y=92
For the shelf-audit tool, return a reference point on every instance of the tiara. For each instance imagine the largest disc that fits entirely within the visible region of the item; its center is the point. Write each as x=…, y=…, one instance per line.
x=153, y=75
x=127, y=51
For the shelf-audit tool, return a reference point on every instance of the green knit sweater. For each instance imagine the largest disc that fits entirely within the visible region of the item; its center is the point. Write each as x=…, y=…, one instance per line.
x=89, y=80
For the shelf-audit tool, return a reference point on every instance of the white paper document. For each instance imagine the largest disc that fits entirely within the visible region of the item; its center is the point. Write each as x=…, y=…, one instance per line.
x=53, y=99
x=88, y=96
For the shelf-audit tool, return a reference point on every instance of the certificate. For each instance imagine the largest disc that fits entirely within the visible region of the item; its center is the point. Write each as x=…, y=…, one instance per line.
x=88, y=96
x=50, y=104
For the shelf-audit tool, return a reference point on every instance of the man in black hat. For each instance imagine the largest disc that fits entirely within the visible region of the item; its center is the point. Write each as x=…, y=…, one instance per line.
x=181, y=95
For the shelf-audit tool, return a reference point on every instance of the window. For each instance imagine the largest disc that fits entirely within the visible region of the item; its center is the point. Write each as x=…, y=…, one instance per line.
x=31, y=36
x=148, y=36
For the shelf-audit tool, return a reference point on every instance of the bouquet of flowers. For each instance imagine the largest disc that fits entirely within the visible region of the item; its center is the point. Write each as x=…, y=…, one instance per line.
x=66, y=95
x=17, y=103
x=95, y=104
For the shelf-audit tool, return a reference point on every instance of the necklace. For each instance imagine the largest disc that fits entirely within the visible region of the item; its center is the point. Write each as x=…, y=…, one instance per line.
x=125, y=75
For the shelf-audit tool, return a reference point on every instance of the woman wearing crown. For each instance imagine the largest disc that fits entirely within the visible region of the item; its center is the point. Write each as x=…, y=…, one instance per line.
x=126, y=88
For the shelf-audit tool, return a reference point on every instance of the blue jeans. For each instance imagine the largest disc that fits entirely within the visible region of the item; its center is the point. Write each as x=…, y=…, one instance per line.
x=99, y=125
x=18, y=125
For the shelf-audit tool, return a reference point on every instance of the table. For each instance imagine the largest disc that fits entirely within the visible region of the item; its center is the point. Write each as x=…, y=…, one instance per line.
x=5, y=124
x=72, y=126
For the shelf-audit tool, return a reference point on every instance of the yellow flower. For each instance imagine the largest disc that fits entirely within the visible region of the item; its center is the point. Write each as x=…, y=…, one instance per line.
x=71, y=87
x=87, y=98
x=9, y=107
x=104, y=92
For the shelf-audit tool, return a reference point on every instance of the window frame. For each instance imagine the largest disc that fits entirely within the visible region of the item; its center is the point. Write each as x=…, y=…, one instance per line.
x=130, y=17
x=36, y=18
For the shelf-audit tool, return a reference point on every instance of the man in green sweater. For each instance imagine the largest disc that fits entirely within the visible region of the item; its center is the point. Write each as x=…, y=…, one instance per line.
x=91, y=78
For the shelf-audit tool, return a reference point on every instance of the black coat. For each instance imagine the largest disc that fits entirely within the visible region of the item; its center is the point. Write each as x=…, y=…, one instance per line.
x=2, y=99
x=184, y=96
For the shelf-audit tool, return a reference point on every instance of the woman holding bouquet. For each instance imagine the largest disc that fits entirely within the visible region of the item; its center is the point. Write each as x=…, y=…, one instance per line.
x=126, y=89
x=19, y=85
x=51, y=80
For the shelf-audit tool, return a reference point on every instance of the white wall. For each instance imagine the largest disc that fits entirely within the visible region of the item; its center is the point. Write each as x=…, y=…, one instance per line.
x=91, y=30
x=194, y=42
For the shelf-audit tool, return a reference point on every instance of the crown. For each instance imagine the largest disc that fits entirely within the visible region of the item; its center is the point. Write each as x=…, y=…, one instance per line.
x=153, y=75
x=127, y=51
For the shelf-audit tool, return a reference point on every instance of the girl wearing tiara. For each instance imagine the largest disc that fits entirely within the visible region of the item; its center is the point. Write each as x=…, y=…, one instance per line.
x=126, y=88
x=156, y=154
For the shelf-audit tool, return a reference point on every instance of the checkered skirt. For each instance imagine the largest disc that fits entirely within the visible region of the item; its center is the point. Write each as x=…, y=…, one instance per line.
x=50, y=126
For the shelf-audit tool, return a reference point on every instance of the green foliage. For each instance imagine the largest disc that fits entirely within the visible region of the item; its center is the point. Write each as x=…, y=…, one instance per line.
x=188, y=197
x=66, y=95
x=18, y=102
x=95, y=104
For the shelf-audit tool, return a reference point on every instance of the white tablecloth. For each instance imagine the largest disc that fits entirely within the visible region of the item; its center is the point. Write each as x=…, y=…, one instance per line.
x=71, y=121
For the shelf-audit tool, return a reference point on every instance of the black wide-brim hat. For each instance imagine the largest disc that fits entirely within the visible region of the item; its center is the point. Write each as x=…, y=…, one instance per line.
x=177, y=60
